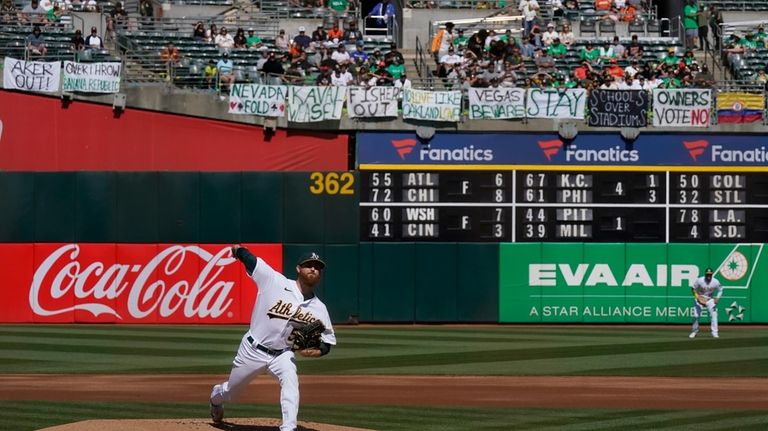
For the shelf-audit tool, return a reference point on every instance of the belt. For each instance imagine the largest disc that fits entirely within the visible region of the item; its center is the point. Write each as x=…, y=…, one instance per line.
x=264, y=349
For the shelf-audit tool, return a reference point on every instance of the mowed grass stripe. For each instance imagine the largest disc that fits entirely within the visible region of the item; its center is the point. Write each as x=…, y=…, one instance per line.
x=704, y=418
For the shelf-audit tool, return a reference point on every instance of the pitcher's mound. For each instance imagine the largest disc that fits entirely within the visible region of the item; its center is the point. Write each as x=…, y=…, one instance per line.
x=233, y=424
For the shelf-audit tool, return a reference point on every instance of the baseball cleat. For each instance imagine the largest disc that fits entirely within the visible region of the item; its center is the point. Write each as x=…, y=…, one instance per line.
x=693, y=335
x=217, y=413
x=715, y=336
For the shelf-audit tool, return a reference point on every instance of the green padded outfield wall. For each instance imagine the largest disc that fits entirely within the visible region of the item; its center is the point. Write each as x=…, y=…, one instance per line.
x=624, y=282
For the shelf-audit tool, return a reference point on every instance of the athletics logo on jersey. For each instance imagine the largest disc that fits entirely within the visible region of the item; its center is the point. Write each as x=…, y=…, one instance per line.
x=284, y=310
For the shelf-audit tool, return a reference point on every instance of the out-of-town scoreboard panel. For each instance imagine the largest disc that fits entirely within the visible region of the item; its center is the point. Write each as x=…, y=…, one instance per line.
x=561, y=205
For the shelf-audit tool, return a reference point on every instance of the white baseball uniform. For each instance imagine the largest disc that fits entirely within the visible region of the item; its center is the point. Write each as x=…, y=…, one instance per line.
x=280, y=307
x=709, y=290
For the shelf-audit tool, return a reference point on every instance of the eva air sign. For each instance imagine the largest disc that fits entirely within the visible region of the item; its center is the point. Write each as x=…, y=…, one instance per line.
x=638, y=283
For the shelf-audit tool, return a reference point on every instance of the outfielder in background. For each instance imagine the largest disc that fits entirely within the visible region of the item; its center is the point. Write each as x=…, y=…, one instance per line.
x=707, y=291
x=283, y=308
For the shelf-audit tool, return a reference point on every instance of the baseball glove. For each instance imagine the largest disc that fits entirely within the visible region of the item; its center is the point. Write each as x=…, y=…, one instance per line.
x=702, y=300
x=307, y=336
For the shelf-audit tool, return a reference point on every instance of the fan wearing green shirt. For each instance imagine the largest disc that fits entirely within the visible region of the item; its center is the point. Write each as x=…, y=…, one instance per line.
x=671, y=59
x=252, y=41
x=339, y=6
x=748, y=42
x=396, y=69
x=691, y=23
x=590, y=54
x=460, y=40
x=557, y=49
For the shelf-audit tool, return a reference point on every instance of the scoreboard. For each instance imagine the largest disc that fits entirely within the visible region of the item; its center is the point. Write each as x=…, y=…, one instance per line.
x=559, y=205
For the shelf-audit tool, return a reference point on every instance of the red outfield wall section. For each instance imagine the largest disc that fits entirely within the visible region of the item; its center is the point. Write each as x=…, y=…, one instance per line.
x=128, y=283
x=37, y=134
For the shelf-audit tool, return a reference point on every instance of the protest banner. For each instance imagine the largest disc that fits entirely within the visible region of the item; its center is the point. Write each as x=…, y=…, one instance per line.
x=687, y=107
x=740, y=107
x=311, y=104
x=91, y=77
x=31, y=75
x=432, y=105
x=255, y=99
x=556, y=103
x=372, y=102
x=496, y=103
x=618, y=108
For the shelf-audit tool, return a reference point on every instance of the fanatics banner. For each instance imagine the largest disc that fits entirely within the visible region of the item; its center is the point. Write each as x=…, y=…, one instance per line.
x=554, y=103
x=618, y=108
x=496, y=103
x=91, y=77
x=128, y=283
x=255, y=99
x=31, y=75
x=681, y=107
x=372, y=102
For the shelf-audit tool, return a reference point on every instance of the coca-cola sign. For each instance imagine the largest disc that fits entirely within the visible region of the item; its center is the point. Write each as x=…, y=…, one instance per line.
x=139, y=283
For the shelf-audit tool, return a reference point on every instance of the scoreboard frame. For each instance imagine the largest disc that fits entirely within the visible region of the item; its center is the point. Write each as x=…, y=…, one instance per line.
x=459, y=203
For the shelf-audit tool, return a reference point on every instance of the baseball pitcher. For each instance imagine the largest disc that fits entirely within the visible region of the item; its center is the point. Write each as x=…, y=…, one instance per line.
x=287, y=317
x=707, y=291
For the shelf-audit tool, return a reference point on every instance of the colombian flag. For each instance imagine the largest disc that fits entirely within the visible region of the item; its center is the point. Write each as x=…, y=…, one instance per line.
x=738, y=107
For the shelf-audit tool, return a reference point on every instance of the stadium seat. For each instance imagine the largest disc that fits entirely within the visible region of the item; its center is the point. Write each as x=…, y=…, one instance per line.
x=636, y=26
x=587, y=26
x=607, y=27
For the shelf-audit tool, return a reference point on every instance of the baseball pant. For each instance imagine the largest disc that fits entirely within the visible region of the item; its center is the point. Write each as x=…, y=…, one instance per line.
x=251, y=362
x=712, y=308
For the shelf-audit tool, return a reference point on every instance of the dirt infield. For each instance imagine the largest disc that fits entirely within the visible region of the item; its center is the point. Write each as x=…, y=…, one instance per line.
x=235, y=424
x=545, y=391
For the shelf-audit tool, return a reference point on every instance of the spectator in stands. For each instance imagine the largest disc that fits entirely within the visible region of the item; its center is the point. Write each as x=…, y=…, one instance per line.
x=566, y=36
x=198, y=34
x=571, y=5
x=548, y=36
x=670, y=60
x=90, y=6
x=590, y=54
x=760, y=77
x=209, y=73
x=705, y=78
x=689, y=59
x=383, y=8
x=544, y=62
x=748, y=42
x=35, y=43
x=530, y=10
x=607, y=52
x=394, y=54
x=557, y=49
x=341, y=77
x=702, y=20
x=273, y=65
x=335, y=32
x=528, y=49
x=302, y=39
x=77, y=43
x=239, y=39
x=54, y=15
x=352, y=34
x=33, y=13
x=120, y=16
x=760, y=36
x=170, y=56
x=582, y=71
x=281, y=42
x=323, y=80
x=252, y=41
x=226, y=70
x=460, y=40
x=715, y=21
x=359, y=56
x=476, y=43
x=403, y=83
x=634, y=50
x=212, y=33
x=93, y=40
x=691, y=23
x=8, y=12
x=224, y=40
x=341, y=56
x=448, y=61
x=299, y=57
x=293, y=75
x=442, y=40
x=618, y=49
x=146, y=12
x=339, y=7
x=632, y=70
x=613, y=69
x=558, y=10
x=603, y=5
x=319, y=36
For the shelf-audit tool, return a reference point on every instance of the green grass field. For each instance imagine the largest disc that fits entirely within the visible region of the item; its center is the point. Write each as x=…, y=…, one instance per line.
x=406, y=350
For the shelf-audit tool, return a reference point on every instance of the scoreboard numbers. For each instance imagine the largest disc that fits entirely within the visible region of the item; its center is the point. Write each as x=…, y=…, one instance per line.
x=579, y=206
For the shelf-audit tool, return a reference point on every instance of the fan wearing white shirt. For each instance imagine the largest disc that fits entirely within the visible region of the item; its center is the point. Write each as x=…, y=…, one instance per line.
x=548, y=36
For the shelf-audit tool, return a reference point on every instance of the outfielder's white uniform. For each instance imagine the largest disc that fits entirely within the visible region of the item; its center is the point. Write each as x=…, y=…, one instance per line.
x=709, y=290
x=279, y=308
